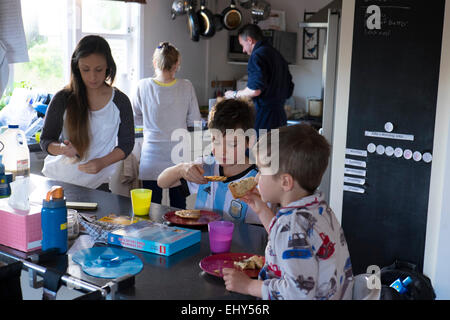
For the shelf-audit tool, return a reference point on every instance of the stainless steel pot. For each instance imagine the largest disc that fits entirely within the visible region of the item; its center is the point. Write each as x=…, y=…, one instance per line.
x=260, y=10
x=179, y=7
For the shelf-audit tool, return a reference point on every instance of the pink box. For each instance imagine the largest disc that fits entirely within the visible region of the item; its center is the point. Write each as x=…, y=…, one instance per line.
x=20, y=229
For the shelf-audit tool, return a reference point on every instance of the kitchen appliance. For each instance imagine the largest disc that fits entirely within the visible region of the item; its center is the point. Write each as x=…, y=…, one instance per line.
x=284, y=42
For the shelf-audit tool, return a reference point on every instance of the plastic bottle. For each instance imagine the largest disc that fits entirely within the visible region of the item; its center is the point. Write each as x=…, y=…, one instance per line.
x=54, y=220
x=401, y=286
x=16, y=155
x=5, y=179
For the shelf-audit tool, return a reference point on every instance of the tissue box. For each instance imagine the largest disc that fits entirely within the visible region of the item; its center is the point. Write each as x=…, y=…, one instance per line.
x=20, y=229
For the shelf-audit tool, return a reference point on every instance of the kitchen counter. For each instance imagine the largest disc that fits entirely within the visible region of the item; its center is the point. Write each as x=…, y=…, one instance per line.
x=175, y=277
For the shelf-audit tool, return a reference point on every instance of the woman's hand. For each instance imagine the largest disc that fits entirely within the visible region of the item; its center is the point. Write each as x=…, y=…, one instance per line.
x=92, y=167
x=192, y=172
x=68, y=150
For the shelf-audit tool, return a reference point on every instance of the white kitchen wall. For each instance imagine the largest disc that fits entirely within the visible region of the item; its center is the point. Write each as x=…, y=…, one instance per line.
x=206, y=60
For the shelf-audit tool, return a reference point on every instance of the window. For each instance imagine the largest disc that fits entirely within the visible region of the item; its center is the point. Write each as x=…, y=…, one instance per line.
x=54, y=27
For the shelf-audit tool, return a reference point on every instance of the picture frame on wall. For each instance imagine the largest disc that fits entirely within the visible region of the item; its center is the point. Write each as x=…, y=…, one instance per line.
x=310, y=40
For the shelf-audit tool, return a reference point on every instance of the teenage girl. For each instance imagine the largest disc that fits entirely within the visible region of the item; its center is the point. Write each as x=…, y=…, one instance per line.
x=89, y=124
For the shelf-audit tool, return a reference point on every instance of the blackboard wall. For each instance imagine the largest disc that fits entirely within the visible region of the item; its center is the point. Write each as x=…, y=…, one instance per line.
x=394, y=79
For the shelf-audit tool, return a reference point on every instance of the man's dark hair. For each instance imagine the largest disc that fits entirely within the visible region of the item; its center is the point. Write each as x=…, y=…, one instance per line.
x=231, y=114
x=252, y=31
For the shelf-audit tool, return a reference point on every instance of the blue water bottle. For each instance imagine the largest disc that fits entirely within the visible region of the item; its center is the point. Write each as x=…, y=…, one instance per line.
x=54, y=220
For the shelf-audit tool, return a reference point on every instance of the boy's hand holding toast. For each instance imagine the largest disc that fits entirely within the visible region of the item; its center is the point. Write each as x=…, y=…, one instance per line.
x=192, y=172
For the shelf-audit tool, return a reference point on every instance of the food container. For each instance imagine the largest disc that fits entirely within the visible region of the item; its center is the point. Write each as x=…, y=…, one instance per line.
x=73, y=224
x=315, y=107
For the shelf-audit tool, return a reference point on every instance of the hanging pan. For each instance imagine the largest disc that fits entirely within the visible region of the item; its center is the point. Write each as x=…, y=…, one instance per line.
x=206, y=21
x=231, y=17
x=193, y=24
x=218, y=22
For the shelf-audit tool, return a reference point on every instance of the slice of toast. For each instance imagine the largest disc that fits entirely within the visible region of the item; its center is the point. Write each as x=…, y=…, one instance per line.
x=240, y=188
x=215, y=178
x=254, y=262
x=189, y=214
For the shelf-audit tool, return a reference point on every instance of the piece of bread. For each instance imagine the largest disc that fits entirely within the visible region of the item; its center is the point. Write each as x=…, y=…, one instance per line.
x=254, y=262
x=215, y=178
x=189, y=214
x=240, y=188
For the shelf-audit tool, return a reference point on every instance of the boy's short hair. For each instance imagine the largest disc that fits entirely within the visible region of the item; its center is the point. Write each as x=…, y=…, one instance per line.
x=231, y=114
x=303, y=153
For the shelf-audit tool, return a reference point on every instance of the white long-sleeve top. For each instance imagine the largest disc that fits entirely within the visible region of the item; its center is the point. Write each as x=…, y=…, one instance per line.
x=161, y=109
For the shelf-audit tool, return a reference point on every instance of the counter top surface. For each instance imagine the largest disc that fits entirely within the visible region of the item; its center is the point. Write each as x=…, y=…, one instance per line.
x=176, y=277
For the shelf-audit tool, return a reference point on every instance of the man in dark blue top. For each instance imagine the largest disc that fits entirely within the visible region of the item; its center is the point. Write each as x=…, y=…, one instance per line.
x=269, y=80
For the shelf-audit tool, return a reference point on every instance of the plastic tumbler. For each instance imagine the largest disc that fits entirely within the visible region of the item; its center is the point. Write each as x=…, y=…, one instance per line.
x=140, y=200
x=220, y=235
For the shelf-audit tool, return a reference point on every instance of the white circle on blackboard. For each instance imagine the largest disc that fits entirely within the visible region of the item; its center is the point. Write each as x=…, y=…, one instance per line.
x=407, y=154
x=388, y=126
x=371, y=147
x=398, y=152
x=427, y=157
x=417, y=156
x=380, y=149
x=389, y=151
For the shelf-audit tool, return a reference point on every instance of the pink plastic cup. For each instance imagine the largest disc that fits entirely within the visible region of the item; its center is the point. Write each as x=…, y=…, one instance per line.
x=220, y=236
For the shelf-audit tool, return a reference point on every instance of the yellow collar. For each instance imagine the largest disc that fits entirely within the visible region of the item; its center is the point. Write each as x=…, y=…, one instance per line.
x=162, y=84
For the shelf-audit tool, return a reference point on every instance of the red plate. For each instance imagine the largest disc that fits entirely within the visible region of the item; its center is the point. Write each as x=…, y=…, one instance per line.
x=215, y=263
x=205, y=218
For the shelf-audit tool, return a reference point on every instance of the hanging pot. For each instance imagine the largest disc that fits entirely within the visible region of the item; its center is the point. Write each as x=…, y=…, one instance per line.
x=178, y=8
x=260, y=11
x=218, y=22
x=231, y=17
x=193, y=24
x=206, y=21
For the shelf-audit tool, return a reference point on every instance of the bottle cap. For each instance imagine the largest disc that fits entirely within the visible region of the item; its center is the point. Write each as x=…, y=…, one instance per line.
x=13, y=126
x=407, y=281
x=55, y=198
x=55, y=193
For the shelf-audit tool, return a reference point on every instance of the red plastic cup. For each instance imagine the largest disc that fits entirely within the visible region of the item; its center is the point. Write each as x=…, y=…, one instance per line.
x=220, y=236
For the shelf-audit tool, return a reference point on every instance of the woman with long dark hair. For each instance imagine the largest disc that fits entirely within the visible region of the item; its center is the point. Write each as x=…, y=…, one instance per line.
x=89, y=124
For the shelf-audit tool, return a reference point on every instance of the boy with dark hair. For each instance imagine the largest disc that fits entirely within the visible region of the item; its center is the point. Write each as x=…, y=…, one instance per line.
x=306, y=255
x=231, y=125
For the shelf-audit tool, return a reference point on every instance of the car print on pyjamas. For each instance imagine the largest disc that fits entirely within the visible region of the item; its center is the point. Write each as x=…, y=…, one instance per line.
x=326, y=250
x=307, y=221
x=300, y=247
x=305, y=285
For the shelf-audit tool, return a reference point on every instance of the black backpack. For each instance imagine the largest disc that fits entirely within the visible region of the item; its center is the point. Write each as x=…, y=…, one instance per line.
x=420, y=287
